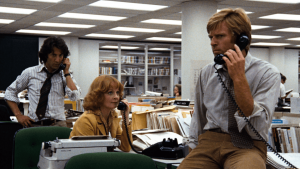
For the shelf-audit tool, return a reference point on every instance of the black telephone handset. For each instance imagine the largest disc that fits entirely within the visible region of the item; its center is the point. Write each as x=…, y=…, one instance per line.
x=62, y=66
x=241, y=41
x=121, y=106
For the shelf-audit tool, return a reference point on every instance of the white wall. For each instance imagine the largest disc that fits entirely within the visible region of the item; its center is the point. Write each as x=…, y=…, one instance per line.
x=261, y=53
x=286, y=60
x=291, y=69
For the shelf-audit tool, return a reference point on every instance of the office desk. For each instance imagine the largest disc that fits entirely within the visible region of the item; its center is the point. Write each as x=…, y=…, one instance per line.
x=161, y=163
x=283, y=109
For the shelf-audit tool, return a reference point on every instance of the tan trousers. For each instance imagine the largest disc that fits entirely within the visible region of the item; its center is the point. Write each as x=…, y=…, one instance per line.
x=215, y=151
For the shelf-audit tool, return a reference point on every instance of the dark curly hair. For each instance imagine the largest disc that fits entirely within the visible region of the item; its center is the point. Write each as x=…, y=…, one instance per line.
x=48, y=46
x=98, y=88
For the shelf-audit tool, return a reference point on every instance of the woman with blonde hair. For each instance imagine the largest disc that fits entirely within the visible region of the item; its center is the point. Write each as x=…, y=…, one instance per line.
x=100, y=116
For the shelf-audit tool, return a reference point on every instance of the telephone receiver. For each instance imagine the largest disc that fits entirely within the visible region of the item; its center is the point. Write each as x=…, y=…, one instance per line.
x=121, y=106
x=62, y=66
x=241, y=41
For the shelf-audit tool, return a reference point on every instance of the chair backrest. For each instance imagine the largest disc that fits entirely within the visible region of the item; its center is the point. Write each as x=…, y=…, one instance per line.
x=7, y=133
x=109, y=160
x=28, y=141
x=4, y=113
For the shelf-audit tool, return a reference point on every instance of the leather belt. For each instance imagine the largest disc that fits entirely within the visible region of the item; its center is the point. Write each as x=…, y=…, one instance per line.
x=217, y=130
x=46, y=122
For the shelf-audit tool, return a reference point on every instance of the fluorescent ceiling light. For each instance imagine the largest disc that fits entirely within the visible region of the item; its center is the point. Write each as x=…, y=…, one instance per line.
x=291, y=29
x=178, y=33
x=91, y=17
x=247, y=12
x=42, y=32
x=164, y=39
x=109, y=35
x=128, y=5
x=279, y=1
x=6, y=21
x=140, y=53
x=16, y=10
x=289, y=17
x=49, y=1
x=129, y=29
x=163, y=21
x=256, y=27
x=264, y=37
x=64, y=25
x=269, y=44
x=159, y=49
x=116, y=47
x=298, y=45
x=295, y=39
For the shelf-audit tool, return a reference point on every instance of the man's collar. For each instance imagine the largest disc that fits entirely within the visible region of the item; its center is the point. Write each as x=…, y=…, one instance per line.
x=41, y=67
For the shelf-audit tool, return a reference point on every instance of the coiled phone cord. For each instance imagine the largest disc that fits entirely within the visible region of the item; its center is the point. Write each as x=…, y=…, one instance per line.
x=248, y=122
x=128, y=134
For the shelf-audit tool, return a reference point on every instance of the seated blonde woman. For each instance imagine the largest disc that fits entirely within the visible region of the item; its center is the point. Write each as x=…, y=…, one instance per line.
x=100, y=116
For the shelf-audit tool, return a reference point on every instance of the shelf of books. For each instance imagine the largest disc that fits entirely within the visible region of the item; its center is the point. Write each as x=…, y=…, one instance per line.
x=286, y=138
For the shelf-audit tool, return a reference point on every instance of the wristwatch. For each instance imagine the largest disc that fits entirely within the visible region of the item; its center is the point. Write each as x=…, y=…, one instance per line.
x=68, y=74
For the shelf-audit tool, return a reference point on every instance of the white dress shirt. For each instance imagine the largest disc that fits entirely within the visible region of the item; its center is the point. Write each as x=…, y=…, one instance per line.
x=33, y=79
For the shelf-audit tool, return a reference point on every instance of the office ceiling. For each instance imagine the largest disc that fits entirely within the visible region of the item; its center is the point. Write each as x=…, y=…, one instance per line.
x=49, y=12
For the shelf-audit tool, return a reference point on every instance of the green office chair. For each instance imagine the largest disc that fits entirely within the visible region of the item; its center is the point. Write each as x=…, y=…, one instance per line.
x=109, y=160
x=7, y=133
x=28, y=142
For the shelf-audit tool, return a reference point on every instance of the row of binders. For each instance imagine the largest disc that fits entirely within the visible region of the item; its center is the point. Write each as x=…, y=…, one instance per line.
x=286, y=139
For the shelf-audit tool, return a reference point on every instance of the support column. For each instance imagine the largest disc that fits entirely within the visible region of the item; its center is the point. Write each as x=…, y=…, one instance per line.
x=196, y=49
x=277, y=58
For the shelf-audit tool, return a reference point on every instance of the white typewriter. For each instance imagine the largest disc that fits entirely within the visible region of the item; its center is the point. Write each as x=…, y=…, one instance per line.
x=54, y=154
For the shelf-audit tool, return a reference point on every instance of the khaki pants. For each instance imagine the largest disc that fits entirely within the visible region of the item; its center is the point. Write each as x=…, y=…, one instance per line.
x=215, y=151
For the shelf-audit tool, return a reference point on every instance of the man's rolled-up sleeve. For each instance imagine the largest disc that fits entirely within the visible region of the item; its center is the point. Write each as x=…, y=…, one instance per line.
x=265, y=98
x=21, y=83
x=75, y=94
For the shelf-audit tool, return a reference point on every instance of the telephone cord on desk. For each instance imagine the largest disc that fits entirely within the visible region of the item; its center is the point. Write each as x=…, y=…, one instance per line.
x=249, y=123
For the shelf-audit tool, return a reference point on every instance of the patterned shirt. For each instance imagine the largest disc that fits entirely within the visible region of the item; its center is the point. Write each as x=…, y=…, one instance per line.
x=211, y=101
x=33, y=79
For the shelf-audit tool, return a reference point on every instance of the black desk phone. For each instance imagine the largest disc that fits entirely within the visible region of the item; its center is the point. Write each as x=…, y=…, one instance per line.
x=242, y=41
x=167, y=149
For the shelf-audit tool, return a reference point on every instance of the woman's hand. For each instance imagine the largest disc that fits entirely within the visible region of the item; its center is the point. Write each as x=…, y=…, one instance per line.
x=126, y=111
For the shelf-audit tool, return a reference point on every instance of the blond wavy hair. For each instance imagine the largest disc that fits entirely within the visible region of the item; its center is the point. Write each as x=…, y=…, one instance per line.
x=236, y=20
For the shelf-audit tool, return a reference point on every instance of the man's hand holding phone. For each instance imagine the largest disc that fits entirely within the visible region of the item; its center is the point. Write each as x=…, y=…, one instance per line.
x=235, y=63
x=67, y=63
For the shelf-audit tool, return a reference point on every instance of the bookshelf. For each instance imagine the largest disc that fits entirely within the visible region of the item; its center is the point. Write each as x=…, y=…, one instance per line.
x=145, y=66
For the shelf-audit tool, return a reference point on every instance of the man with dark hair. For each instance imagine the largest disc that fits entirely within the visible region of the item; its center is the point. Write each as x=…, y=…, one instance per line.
x=219, y=135
x=47, y=85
